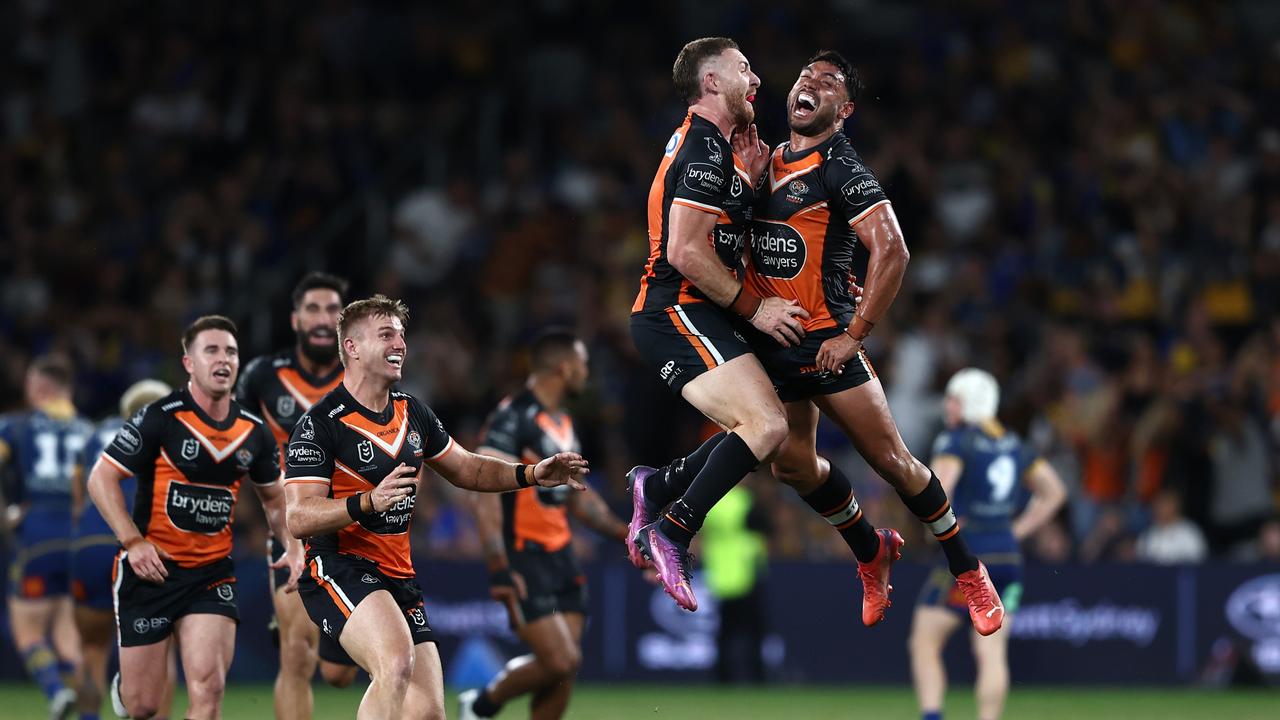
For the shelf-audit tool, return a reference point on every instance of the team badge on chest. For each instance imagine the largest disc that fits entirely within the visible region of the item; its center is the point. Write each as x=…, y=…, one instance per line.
x=285, y=406
x=244, y=457
x=415, y=440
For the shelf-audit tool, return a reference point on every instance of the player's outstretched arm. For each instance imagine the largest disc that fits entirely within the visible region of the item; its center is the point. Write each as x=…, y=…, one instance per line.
x=309, y=510
x=1047, y=496
x=591, y=510
x=470, y=471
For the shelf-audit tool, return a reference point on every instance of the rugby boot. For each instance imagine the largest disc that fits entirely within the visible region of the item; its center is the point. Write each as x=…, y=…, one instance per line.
x=672, y=563
x=875, y=576
x=642, y=512
x=985, y=609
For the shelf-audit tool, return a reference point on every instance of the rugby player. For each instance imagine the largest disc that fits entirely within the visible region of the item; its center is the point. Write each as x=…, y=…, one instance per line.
x=93, y=550
x=526, y=536
x=984, y=467
x=816, y=202
x=174, y=576
x=699, y=208
x=352, y=471
x=282, y=387
x=42, y=445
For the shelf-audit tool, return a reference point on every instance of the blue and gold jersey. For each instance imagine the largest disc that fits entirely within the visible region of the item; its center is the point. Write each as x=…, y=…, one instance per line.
x=990, y=489
x=43, y=447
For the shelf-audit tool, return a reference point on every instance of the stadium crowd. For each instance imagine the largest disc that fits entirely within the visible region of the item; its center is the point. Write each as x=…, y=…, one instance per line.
x=1090, y=191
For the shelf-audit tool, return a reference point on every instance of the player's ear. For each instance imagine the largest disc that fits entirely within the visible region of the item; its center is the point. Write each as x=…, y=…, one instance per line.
x=349, y=346
x=845, y=110
x=187, y=364
x=293, y=320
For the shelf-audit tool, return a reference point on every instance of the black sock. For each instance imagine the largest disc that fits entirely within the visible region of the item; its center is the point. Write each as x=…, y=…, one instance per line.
x=934, y=510
x=485, y=706
x=727, y=464
x=835, y=502
x=670, y=482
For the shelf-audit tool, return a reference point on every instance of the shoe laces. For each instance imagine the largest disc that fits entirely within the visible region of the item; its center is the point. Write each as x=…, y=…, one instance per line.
x=974, y=588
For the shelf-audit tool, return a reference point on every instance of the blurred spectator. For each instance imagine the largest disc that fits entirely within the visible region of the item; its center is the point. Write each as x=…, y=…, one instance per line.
x=1172, y=539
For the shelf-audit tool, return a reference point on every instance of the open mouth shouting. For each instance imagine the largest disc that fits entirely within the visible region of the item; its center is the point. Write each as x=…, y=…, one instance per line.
x=222, y=374
x=805, y=105
x=322, y=335
x=395, y=360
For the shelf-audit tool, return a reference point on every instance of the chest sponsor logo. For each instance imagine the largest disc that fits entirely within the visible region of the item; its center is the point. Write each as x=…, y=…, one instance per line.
x=190, y=449
x=713, y=151
x=364, y=451
x=199, y=509
x=704, y=178
x=304, y=454
x=395, y=519
x=128, y=440
x=778, y=251
x=307, y=430
x=285, y=406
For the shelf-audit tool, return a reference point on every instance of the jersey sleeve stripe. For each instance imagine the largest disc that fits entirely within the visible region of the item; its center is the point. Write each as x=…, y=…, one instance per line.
x=308, y=479
x=119, y=465
x=447, y=449
x=862, y=215
x=697, y=205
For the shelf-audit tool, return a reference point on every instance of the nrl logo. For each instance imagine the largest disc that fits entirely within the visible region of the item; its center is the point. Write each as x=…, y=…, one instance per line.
x=285, y=405
x=190, y=449
x=226, y=592
x=365, y=450
x=308, y=431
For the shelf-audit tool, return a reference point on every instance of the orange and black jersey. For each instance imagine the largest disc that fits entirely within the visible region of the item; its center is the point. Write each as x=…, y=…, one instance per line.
x=189, y=467
x=522, y=428
x=348, y=448
x=802, y=238
x=699, y=171
x=277, y=387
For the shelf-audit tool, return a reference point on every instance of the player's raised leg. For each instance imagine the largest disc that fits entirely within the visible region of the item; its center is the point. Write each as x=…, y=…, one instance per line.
x=207, y=644
x=738, y=396
x=930, y=629
x=826, y=489
x=863, y=414
x=299, y=638
x=376, y=637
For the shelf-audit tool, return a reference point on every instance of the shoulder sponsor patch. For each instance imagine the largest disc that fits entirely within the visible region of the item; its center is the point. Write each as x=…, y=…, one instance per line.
x=704, y=178
x=861, y=187
x=304, y=454
x=672, y=144
x=128, y=440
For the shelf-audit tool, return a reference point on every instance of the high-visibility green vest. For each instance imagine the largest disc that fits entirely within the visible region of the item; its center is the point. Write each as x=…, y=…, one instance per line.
x=732, y=554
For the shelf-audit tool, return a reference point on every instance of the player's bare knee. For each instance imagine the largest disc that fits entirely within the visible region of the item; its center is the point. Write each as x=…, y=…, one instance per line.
x=564, y=664
x=298, y=657
x=395, y=668
x=141, y=706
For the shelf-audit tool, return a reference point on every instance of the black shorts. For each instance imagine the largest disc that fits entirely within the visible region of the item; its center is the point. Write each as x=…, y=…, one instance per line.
x=554, y=582
x=794, y=370
x=334, y=584
x=684, y=341
x=146, y=612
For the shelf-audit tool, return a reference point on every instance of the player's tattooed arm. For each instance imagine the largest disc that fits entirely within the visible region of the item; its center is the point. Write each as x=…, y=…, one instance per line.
x=488, y=512
x=591, y=510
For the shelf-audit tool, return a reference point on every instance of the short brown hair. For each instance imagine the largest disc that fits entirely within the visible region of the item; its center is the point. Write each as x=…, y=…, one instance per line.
x=54, y=368
x=377, y=306
x=687, y=71
x=207, y=322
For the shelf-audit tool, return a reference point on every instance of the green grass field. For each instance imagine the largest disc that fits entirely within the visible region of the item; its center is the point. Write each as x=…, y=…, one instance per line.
x=596, y=702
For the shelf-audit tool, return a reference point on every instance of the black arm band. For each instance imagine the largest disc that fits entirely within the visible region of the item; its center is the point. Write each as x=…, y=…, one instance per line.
x=354, y=508
x=521, y=480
